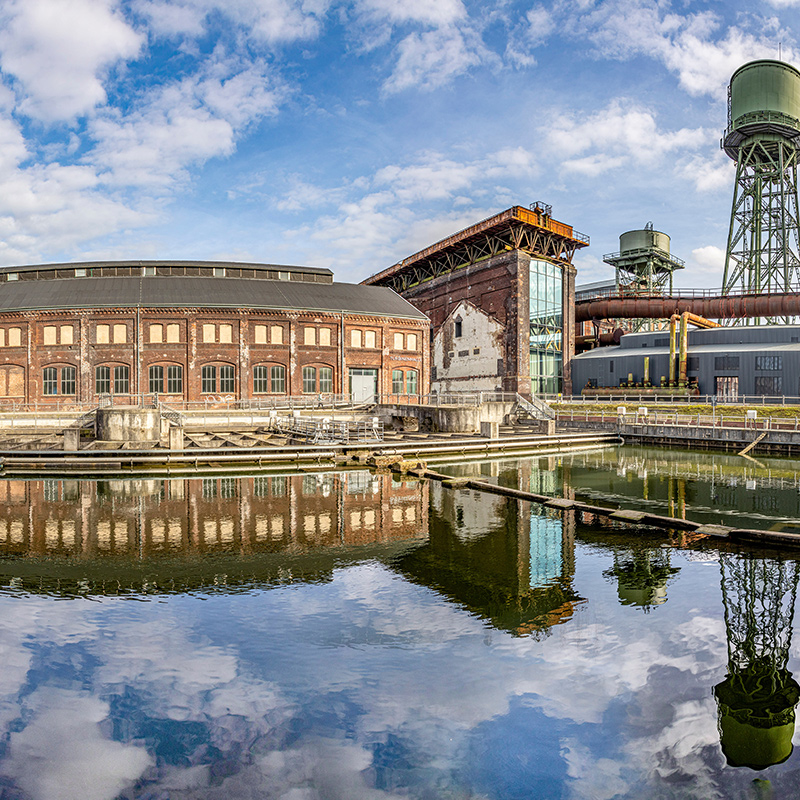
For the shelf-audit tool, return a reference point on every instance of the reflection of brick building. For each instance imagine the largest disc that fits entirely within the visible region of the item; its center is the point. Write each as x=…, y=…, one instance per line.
x=266, y=514
x=196, y=330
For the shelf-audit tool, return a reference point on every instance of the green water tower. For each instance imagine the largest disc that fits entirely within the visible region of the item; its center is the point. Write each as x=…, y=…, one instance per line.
x=763, y=138
x=643, y=265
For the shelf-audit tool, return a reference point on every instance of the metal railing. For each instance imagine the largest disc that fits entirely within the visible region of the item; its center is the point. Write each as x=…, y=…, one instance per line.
x=702, y=399
x=329, y=431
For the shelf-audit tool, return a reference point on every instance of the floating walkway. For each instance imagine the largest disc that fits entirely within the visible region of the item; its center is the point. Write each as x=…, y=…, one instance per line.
x=630, y=516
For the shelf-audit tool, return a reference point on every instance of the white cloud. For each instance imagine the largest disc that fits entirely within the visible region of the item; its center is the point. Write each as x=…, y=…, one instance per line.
x=708, y=174
x=708, y=259
x=616, y=136
x=688, y=45
x=180, y=125
x=429, y=12
x=430, y=59
x=60, y=52
x=268, y=21
x=62, y=753
x=539, y=24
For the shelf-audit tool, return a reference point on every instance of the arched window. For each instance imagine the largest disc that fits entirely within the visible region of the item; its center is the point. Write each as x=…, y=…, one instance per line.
x=174, y=379
x=103, y=383
x=397, y=381
x=411, y=381
x=325, y=380
x=269, y=379
x=217, y=378
x=50, y=380
x=309, y=380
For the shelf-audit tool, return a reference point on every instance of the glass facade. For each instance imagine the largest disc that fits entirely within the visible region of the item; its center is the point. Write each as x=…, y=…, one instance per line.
x=546, y=289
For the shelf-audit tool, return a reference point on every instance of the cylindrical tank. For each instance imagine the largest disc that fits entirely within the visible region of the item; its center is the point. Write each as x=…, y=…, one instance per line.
x=765, y=91
x=643, y=240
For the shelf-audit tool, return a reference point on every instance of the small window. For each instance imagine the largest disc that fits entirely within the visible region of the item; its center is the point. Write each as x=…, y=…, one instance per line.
x=310, y=336
x=411, y=382
x=67, y=334
x=173, y=333
x=411, y=341
x=68, y=375
x=726, y=362
x=14, y=337
x=766, y=363
x=50, y=380
x=148, y=270
x=156, y=378
x=227, y=381
x=260, y=333
x=80, y=272
x=611, y=367
x=325, y=337
x=102, y=380
x=209, y=334
x=219, y=272
x=174, y=379
x=103, y=334
x=12, y=276
x=50, y=335
x=325, y=378
x=355, y=338
x=397, y=381
x=2, y=337
x=121, y=380
x=156, y=335
x=398, y=341
x=208, y=379
x=283, y=276
x=226, y=334
x=458, y=330
x=309, y=380
x=260, y=380
x=276, y=334
x=369, y=339
x=120, y=334
x=277, y=379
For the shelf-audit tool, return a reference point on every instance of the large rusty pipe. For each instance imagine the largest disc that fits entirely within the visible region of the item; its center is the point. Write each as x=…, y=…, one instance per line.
x=602, y=340
x=682, y=369
x=672, y=320
x=728, y=307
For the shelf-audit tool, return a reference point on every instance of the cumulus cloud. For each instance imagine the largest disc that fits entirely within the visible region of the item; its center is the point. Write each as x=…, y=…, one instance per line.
x=526, y=36
x=59, y=51
x=709, y=259
x=429, y=59
x=696, y=46
x=62, y=753
x=619, y=135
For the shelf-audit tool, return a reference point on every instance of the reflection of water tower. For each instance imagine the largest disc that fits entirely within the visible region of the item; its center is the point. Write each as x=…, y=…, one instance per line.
x=642, y=576
x=763, y=137
x=757, y=699
x=643, y=265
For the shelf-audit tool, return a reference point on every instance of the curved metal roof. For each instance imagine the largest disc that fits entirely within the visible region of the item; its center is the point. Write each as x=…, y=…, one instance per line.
x=152, y=291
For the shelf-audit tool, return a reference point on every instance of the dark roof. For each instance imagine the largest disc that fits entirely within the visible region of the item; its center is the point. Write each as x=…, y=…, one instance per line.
x=164, y=263
x=190, y=291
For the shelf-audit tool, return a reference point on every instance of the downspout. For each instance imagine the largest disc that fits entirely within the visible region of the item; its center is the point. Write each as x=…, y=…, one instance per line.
x=341, y=355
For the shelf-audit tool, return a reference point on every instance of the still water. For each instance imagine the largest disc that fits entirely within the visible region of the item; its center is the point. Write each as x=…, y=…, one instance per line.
x=352, y=636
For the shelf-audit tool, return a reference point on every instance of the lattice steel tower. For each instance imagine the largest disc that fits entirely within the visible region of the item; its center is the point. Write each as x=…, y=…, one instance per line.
x=763, y=138
x=756, y=701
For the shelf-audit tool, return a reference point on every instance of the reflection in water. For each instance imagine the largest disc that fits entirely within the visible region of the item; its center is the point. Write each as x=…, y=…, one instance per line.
x=178, y=535
x=758, y=697
x=353, y=637
x=642, y=575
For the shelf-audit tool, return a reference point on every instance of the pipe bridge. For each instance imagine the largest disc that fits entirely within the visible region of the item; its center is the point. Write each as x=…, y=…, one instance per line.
x=731, y=306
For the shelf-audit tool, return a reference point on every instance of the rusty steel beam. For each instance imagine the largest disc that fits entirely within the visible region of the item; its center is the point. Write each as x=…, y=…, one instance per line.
x=727, y=307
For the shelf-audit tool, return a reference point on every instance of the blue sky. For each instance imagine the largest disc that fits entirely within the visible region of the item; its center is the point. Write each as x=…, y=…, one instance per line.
x=351, y=134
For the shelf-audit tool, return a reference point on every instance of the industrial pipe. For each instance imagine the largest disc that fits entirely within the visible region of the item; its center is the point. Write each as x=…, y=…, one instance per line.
x=721, y=307
x=601, y=340
x=682, y=369
x=672, y=320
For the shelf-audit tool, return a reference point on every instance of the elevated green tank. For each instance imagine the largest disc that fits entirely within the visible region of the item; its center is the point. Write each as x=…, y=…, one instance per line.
x=644, y=239
x=764, y=99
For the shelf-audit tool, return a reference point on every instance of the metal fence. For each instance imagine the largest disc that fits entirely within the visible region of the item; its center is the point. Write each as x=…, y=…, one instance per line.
x=704, y=399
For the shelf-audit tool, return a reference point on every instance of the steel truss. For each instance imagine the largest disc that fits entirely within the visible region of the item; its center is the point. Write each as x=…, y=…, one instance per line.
x=537, y=242
x=763, y=252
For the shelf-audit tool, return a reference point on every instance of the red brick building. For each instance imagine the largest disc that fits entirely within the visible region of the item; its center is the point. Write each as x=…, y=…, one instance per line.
x=199, y=331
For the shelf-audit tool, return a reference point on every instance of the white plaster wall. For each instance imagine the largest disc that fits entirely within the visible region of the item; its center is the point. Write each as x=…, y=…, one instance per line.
x=468, y=363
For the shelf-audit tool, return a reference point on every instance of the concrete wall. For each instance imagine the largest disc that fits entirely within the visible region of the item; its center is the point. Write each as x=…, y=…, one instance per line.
x=454, y=419
x=473, y=361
